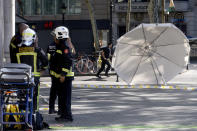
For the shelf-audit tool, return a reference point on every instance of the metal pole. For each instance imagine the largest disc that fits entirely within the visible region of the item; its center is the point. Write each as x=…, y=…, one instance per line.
x=110, y=28
x=163, y=11
x=9, y=25
x=63, y=18
x=156, y=12
x=1, y=33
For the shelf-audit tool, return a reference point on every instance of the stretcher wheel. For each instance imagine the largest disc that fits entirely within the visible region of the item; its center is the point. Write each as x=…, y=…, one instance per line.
x=2, y=127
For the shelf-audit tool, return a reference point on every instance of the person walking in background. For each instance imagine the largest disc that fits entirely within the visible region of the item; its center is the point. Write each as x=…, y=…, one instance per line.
x=15, y=41
x=105, y=57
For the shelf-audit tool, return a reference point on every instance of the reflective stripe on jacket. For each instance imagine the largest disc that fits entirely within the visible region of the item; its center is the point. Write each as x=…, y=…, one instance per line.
x=34, y=66
x=69, y=73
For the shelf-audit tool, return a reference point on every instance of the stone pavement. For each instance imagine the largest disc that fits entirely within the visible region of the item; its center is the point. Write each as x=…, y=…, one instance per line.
x=107, y=105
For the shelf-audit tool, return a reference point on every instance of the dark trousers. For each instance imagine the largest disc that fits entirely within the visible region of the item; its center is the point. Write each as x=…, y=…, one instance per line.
x=104, y=62
x=36, y=93
x=53, y=92
x=64, y=98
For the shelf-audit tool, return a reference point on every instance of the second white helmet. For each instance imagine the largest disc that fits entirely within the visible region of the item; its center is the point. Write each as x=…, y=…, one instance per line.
x=28, y=37
x=61, y=32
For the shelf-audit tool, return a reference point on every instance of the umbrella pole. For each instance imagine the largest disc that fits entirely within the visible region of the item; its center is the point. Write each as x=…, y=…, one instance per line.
x=117, y=78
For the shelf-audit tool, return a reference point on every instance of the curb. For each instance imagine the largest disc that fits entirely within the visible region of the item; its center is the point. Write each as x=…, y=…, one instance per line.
x=137, y=86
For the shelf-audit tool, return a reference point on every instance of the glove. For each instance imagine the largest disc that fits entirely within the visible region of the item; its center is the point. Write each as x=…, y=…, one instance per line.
x=62, y=79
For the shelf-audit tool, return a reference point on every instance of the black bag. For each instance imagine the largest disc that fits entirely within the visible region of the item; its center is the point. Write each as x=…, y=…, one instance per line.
x=38, y=123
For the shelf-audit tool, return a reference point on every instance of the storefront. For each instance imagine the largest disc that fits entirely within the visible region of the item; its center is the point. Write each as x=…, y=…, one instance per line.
x=80, y=33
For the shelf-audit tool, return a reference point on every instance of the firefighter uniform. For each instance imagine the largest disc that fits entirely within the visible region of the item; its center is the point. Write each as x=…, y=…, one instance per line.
x=61, y=65
x=36, y=58
x=15, y=41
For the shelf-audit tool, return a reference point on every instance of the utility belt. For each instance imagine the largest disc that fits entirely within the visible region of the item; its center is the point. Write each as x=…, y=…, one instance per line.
x=69, y=73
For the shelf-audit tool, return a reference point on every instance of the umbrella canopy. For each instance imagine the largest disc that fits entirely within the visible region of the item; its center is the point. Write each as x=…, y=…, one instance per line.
x=151, y=54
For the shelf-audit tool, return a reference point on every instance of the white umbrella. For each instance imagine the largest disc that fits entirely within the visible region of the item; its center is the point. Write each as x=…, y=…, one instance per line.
x=151, y=54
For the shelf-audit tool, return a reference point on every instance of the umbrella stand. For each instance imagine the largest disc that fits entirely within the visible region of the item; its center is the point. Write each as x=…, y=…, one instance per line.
x=117, y=80
x=152, y=61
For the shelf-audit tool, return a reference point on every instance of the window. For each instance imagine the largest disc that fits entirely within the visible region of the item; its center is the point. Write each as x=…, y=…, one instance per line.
x=35, y=7
x=140, y=0
x=123, y=1
x=48, y=7
x=59, y=6
x=75, y=7
x=26, y=5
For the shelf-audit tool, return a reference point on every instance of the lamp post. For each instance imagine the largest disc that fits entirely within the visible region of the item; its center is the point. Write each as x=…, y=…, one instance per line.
x=63, y=7
x=156, y=11
x=163, y=11
x=111, y=23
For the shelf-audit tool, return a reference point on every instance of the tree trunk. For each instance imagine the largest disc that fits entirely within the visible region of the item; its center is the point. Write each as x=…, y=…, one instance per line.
x=151, y=11
x=163, y=11
x=128, y=18
x=94, y=26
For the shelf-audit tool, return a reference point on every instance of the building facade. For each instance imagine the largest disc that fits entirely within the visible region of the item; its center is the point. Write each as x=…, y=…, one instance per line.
x=184, y=16
x=45, y=15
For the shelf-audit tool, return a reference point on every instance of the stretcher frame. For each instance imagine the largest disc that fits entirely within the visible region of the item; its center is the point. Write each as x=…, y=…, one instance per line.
x=25, y=87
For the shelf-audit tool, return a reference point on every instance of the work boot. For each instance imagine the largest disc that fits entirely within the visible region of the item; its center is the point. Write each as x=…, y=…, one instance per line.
x=106, y=74
x=52, y=111
x=59, y=112
x=64, y=119
x=97, y=75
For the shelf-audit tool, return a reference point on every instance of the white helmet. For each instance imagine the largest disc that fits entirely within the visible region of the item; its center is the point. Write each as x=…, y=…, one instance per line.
x=28, y=37
x=61, y=32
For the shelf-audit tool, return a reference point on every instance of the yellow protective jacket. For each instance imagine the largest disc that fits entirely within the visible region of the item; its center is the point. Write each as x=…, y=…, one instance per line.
x=33, y=56
x=15, y=41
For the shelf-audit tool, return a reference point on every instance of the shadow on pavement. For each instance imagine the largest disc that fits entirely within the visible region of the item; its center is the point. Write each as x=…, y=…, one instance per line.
x=95, y=108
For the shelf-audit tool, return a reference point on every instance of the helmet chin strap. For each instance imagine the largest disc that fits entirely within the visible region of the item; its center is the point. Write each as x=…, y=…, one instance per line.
x=62, y=41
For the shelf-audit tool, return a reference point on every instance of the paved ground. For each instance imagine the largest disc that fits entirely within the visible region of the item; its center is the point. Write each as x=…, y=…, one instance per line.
x=117, y=108
x=107, y=105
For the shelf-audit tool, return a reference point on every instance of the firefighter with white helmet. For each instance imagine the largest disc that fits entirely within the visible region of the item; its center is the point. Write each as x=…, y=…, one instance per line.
x=61, y=74
x=15, y=41
x=28, y=37
x=29, y=53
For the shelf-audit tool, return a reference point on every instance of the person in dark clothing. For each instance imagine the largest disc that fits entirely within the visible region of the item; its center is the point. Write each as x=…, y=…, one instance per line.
x=61, y=69
x=34, y=56
x=55, y=81
x=15, y=41
x=105, y=57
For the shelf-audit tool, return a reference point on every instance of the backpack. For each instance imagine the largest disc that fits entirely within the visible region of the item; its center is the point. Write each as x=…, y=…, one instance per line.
x=37, y=122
